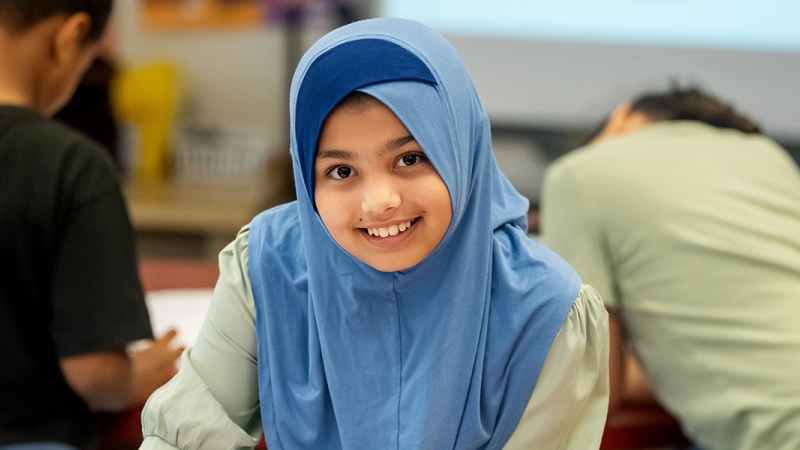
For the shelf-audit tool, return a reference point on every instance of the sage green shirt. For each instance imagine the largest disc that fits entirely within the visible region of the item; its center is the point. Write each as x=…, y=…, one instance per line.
x=212, y=404
x=693, y=233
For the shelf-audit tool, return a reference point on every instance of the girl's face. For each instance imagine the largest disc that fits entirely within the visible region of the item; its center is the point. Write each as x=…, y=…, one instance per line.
x=376, y=192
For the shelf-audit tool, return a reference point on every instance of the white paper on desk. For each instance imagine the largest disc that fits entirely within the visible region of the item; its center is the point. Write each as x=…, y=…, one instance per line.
x=181, y=309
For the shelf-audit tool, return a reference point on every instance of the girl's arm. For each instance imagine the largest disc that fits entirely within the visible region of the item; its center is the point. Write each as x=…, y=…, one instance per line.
x=212, y=403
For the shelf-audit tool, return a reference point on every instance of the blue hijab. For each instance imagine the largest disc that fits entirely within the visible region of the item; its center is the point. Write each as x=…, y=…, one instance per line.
x=442, y=355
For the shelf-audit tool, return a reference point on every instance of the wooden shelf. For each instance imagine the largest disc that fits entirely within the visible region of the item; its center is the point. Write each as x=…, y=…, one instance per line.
x=197, y=206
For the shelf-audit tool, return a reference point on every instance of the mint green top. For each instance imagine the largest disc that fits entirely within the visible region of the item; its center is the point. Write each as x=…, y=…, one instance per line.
x=212, y=404
x=693, y=233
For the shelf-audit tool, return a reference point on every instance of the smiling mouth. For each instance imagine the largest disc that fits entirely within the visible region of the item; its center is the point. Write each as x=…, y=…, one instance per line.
x=393, y=230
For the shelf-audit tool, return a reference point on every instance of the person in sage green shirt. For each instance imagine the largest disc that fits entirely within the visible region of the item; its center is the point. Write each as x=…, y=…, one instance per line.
x=687, y=221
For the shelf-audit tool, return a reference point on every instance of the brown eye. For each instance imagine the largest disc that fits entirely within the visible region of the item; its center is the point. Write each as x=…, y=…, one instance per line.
x=408, y=160
x=341, y=172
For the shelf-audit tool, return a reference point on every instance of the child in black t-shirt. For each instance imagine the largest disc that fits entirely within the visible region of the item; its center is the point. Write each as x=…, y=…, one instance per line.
x=70, y=298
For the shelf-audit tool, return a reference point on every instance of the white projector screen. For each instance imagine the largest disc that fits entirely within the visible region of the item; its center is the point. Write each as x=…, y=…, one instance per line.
x=567, y=63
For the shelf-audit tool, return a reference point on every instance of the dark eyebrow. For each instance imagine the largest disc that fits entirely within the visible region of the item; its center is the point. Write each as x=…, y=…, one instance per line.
x=395, y=144
x=390, y=147
x=336, y=154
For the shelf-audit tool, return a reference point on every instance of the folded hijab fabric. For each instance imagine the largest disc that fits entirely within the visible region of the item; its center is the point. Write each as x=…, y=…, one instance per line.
x=444, y=354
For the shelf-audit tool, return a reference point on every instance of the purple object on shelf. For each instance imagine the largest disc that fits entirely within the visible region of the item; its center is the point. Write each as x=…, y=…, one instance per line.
x=296, y=12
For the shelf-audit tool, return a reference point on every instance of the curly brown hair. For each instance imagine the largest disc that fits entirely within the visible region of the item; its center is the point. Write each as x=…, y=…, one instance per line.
x=692, y=104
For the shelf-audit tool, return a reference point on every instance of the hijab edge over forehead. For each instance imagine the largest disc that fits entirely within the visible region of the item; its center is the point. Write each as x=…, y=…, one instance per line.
x=318, y=92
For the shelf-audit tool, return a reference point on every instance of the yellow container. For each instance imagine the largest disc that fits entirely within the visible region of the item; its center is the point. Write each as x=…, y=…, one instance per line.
x=147, y=98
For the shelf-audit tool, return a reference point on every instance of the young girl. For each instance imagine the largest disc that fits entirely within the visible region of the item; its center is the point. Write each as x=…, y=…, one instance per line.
x=398, y=303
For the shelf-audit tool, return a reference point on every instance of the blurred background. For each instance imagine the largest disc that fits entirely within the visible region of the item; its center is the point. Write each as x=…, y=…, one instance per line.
x=196, y=91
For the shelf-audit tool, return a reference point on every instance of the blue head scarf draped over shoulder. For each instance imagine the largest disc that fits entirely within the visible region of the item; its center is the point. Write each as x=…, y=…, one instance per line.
x=442, y=355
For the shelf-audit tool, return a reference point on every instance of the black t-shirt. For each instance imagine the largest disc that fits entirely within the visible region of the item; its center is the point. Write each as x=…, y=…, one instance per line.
x=68, y=274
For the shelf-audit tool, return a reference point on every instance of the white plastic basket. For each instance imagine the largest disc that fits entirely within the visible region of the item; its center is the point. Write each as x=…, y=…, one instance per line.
x=216, y=152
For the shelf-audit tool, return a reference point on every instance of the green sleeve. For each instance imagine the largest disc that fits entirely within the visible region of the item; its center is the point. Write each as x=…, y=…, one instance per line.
x=572, y=229
x=212, y=403
x=156, y=443
x=569, y=404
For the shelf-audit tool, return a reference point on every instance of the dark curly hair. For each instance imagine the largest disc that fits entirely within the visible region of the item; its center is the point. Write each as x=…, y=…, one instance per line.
x=21, y=15
x=692, y=104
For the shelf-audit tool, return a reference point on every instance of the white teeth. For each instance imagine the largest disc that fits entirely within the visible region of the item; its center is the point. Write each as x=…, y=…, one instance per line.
x=393, y=230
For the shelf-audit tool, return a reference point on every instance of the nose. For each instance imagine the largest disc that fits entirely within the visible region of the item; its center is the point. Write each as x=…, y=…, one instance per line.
x=380, y=195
